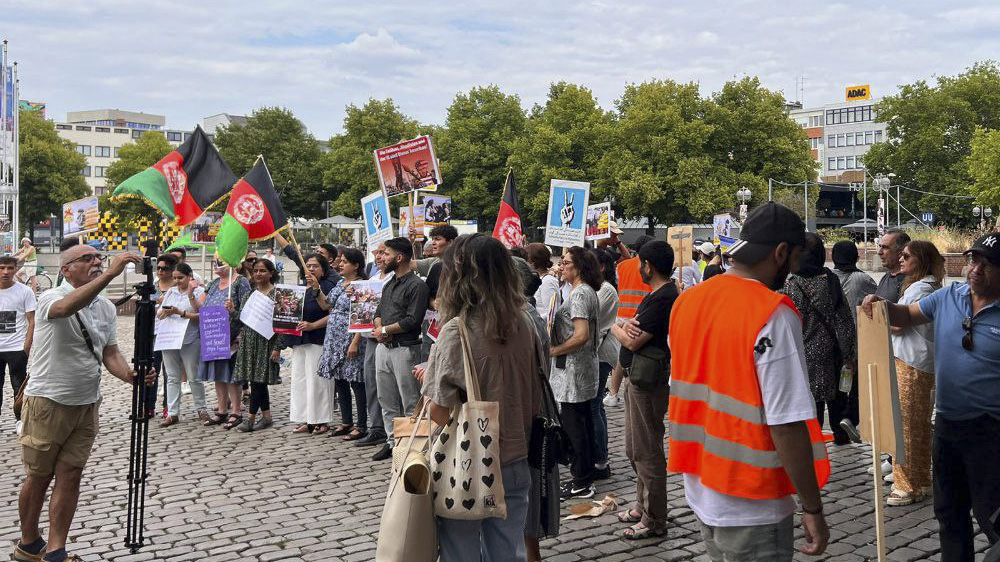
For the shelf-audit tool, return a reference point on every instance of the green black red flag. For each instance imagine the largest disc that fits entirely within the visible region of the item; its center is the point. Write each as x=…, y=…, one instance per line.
x=254, y=213
x=184, y=183
x=508, y=226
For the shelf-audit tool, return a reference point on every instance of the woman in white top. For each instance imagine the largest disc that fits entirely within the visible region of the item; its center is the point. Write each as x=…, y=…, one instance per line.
x=923, y=267
x=183, y=301
x=540, y=260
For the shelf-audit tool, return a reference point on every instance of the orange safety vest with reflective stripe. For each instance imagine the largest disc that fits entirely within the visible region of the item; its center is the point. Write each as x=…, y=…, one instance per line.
x=631, y=288
x=718, y=429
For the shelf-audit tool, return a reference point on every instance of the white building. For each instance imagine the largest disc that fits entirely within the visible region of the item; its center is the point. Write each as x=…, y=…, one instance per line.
x=840, y=135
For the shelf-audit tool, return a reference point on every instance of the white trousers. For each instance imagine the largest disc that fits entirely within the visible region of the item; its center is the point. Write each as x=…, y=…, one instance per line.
x=186, y=360
x=311, y=398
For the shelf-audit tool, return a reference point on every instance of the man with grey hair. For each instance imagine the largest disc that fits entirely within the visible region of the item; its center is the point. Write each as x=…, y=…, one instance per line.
x=890, y=246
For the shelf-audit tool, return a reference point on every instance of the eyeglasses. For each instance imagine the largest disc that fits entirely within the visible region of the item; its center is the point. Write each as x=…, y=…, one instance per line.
x=967, y=338
x=88, y=258
x=164, y=268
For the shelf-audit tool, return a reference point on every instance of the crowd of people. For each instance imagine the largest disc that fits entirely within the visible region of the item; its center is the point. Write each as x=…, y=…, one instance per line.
x=739, y=359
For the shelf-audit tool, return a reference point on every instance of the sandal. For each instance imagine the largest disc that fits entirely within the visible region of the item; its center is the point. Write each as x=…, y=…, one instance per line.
x=215, y=419
x=304, y=428
x=639, y=531
x=356, y=434
x=321, y=429
x=627, y=517
x=233, y=421
x=342, y=429
x=899, y=498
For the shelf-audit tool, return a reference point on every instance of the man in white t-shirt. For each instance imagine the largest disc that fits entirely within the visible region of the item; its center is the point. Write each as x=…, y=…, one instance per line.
x=75, y=334
x=17, y=325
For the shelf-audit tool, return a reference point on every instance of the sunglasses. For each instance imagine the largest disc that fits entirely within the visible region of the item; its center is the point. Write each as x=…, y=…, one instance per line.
x=164, y=268
x=88, y=258
x=967, y=338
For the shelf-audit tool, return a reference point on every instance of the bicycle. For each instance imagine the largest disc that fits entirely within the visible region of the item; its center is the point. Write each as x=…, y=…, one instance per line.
x=39, y=282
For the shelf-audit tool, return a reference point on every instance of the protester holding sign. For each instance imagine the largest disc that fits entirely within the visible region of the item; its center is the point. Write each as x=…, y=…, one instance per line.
x=256, y=357
x=183, y=301
x=311, y=402
x=234, y=289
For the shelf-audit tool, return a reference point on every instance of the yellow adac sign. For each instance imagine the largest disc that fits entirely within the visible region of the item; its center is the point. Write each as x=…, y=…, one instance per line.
x=855, y=93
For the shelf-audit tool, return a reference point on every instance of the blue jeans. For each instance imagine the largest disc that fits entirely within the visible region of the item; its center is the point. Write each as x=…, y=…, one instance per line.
x=491, y=540
x=600, y=446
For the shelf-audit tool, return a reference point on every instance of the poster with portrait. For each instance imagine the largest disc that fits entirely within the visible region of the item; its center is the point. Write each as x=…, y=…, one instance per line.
x=365, y=296
x=204, y=230
x=289, y=300
x=599, y=219
x=80, y=216
x=437, y=211
x=722, y=226
x=418, y=223
x=407, y=166
x=567, y=213
x=378, y=221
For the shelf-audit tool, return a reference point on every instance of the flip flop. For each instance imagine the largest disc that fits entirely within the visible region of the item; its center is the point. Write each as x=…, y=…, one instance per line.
x=627, y=517
x=355, y=435
x=639, y=531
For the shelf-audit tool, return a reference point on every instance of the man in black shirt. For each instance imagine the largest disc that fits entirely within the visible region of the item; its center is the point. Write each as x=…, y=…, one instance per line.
x=645, y=408
x=890, y=246
x=397, y=329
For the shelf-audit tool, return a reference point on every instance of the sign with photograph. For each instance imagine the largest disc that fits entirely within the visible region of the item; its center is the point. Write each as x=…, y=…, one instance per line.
x=365, y=296
x=407, y=166
x=289, y=301
x=599, y=219
x=404, y=221
x=80, y=216
x=567, y=213
x=378, y=221
x=204, y=230
x=437, y=211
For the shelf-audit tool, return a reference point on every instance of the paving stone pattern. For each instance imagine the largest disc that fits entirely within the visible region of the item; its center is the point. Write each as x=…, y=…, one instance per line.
x=271, y=495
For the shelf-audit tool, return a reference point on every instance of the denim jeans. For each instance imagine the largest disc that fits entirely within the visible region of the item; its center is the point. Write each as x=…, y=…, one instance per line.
x=491, y=540
x=601, y=417
x=183, y=360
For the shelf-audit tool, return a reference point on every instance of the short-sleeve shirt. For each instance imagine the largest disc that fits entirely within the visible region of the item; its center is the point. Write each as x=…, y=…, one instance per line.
x=607, y=300
x=968, y=380
x=653, y=315
x=174, y=297
x=15, y=301
x=915, y=345
x=890, y=287
x=65, y=370
x=577, y=381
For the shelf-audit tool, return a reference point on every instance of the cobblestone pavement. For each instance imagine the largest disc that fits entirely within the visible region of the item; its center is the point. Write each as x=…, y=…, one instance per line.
x=272, y=495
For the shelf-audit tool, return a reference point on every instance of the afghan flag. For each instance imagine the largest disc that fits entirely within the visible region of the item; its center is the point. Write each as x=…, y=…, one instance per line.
x=508, y=226
x=185, y=182
x=254, y=213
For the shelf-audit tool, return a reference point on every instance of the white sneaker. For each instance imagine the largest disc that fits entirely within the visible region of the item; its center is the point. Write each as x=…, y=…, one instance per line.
x=612, y=400
x=889, y=478
x=19, y=427
x=886, y=468
x=185, y=388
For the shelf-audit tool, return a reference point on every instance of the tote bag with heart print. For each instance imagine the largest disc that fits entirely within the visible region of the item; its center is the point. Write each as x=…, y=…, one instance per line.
x=465, y=459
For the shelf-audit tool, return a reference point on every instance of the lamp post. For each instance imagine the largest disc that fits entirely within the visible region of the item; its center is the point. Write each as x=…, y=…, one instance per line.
x=52, y=233
x=744, y=195
x=881, y=183
x=982, y=214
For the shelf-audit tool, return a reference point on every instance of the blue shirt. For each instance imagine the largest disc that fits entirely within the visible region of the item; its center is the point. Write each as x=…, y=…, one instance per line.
x=968, y=381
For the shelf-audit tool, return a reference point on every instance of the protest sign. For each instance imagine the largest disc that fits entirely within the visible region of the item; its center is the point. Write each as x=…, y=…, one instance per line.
x=599, y=221
x=205, y=228
x=365, y=296
x=437, y=211
x=681, y=240
x=407, y=166
x=289, y=300
x=875, y=350
x=378, y=223
x=722, y=227
x=213, y=323
x=80, y=216
x=418, y=222
x=170, y=333
x=564, y=223
x=258, y=314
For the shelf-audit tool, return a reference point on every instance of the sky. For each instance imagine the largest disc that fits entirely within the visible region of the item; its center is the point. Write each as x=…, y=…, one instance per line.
x=190, y=59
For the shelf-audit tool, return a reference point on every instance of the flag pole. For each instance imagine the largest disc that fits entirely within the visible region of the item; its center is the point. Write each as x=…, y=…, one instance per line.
x=231, y=281
x=302, y=257
x=413, y=230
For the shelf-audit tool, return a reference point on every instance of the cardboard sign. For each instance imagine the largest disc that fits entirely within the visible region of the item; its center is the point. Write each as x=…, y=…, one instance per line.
x=365, y=296
x=875, y=350
x=437, y=211
x=681, y=239
x=407, y=166
x=204, y=230
x=258, y=313
x=378, y=221
x=80, y=216
x=213, y=323
x=599, y=219
x=567, y=213
x=289, y=302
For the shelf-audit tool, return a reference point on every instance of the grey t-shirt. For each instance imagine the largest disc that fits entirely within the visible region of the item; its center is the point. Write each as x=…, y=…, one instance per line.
x=890, y=287
x=576, y=381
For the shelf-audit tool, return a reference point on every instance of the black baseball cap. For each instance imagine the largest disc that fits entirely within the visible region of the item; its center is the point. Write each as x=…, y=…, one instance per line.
x=987, y=246
x=767, y=226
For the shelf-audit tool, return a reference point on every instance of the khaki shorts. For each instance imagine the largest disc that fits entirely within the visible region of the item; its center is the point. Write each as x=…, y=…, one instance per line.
x=53, y=432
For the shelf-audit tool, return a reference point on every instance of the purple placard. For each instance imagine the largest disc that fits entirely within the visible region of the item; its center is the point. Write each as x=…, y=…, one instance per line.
x=213, y=322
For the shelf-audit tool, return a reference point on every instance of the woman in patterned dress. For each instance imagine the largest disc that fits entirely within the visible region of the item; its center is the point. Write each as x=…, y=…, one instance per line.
x=257, y=358
x=344, y=352
x=227, y=391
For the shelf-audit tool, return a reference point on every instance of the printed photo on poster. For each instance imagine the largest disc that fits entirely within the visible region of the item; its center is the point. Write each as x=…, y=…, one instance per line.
x=204, y=230
x=599, y=219
x=365, y=296
x=437, y=210
x=80, y=216
x=722, y=226
x=564, y=224
x=378, y=221
x=407, y=166
x=289, y=300
x=404, y=221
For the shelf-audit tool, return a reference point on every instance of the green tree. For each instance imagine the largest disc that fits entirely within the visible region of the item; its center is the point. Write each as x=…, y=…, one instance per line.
x=291, y=153
x=930, y=129
x=49, y=170
x=133, y=158
x=349, y=168
x=984, y=165
x=474, y=146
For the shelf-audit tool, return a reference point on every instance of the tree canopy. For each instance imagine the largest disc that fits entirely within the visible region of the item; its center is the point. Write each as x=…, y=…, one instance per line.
x=133, y=158
x=49, y=170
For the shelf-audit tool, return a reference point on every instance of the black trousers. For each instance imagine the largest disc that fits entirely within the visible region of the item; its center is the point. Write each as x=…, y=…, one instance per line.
x=17, y=361
x=578, y=421
x=260, y=398
x=966, y=478
x=344, y=389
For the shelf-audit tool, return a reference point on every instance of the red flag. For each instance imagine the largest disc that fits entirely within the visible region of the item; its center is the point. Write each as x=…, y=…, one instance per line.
x=508, y=226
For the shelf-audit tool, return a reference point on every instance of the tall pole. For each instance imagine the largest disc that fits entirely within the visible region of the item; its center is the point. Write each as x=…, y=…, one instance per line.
x=897, y=206
x=770, y=184
x=16, y=171
x=864, y=205
x=805, y=202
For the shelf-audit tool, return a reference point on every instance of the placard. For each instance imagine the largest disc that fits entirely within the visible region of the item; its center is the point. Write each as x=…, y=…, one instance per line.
x=289, y=301
x=80, y=216
x=365, y=296
x=599, y=219
x=204, y=230
x=437, y=211
x=875, y=349
x=404, y=221
x=564, y=224
x=378, y=223
x=170, y=333
x=258, y=314
x=722, y=227
x=213, y=323
x=681, y=240
x=407, y=166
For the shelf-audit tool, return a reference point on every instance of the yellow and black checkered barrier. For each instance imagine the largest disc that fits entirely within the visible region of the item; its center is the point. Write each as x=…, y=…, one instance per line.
x=118, y=235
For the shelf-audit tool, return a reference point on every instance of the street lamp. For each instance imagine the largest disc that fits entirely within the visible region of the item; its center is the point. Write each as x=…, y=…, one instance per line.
x=744, y=195
x=982, y=215
x=52, y=232
x=882, y=183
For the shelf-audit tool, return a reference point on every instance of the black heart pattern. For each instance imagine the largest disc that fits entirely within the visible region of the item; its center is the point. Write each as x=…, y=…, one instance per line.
x=465, y=445
x=488, y=480
x=444, y=438
x=437, y=476
x=466, y=464
x=467, y=504
x=483, y=423
x=467, y=484
x=452, y=479
x=486, y=440
x=439, y=457
x=449, y=503
x=465, y=427
x=488, y=461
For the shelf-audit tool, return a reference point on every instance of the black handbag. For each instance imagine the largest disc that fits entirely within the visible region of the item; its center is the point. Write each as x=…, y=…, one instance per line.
x=549, y=444
x=650, y=368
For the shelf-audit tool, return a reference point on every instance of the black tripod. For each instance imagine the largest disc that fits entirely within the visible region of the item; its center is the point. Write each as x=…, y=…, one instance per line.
x=143, y=405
